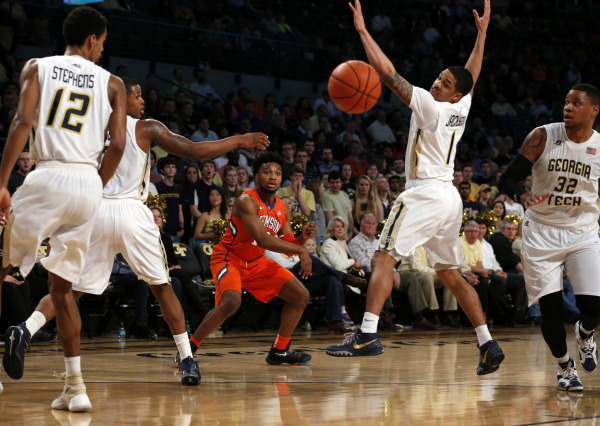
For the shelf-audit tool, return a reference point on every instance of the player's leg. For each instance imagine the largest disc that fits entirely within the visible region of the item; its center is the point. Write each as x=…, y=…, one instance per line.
x=555, y=337
x=465, y=295
x=230, y=301
x=584, y=280
x=295, y=296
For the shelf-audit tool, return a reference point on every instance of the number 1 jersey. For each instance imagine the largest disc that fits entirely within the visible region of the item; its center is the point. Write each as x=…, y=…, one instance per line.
x=73, y=111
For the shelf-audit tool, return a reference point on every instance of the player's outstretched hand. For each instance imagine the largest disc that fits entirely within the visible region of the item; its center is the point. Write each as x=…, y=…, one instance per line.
x=309, y=230
x=251, y=140
x=483, y=21
x=4, y=206
x=532, y=199
x=359, y=21
x=305, y=264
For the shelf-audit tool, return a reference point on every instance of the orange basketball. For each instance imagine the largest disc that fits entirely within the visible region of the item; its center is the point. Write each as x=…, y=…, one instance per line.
x=354, y=87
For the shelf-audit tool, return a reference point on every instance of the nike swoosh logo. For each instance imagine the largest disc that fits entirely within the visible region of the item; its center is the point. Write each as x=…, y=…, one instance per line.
x=485, y=356
x=357, y=346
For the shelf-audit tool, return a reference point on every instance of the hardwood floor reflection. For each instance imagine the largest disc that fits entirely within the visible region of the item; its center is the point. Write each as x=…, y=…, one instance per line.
x=423, y=378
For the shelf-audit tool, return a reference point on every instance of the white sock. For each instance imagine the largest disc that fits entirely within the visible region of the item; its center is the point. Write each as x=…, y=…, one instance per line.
x=73, y=365
x=369, y=323
x=583, y=330
x=483, y=334
x=35, y=321
x=565, y=358
x=183, y=345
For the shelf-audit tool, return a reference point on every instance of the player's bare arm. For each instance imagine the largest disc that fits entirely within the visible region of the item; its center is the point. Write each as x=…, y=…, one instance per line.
x=476, y=59
x=308, y=230
x=152, y=131
x=520, y=168
x=19, y=131
x=534, y=144
x=378, y=60
x=117, y=126
x=246, y=208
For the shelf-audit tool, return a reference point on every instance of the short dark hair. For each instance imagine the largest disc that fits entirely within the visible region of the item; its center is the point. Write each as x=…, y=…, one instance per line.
x=81, y=23
x=465, y=183
x=464, y=79
x=296, y=169
x=394, y=177
x=334, y=175
x=480, y=221
x=130, y=83
x=268, y=157
x=164, y=161
x=592, y=92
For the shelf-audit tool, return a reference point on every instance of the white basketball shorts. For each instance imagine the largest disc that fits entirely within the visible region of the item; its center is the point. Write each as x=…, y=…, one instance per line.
x=427, y=214
x=60, y=201
x=547, y=249
x=126, y=227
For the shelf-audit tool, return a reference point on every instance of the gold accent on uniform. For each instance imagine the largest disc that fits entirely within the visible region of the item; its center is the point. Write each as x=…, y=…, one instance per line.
x=416, y=154
x=143, y=179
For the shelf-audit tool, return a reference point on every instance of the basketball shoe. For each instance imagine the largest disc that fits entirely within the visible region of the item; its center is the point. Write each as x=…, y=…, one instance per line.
x=567, y=377
x=74, y=396
x=357, y=344
x=490, y=357
x=588, y=352
x=190, y=373
x=16, y=339
x=280, y=356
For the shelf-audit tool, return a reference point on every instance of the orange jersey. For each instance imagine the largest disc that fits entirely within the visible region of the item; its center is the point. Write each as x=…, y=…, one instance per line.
x=238, y=240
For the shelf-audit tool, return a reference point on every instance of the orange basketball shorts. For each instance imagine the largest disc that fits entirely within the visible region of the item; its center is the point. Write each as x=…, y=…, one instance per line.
x=263, y=278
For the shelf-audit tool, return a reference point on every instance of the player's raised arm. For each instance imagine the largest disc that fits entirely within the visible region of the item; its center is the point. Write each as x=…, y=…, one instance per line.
x=521, y=166
x=117, y=125
x=378, y=60
x=476, y=58
x=156, y=132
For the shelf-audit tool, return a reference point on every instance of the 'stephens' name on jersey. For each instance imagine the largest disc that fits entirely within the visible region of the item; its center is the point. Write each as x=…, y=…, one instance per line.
x=67, y=76
x=271, y=223
x=569, y=166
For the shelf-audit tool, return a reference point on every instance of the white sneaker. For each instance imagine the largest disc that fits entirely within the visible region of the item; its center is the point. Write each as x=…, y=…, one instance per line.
x=568, y=379
x=588, y=352
x=74, y=398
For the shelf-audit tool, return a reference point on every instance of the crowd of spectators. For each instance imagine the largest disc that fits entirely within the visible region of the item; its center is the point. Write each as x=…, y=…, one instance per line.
x=339, y=166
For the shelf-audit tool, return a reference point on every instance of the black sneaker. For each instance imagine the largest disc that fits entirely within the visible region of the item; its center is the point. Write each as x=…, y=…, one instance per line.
x=190, y=373
x=44, y=337
x=357, y=344
x=280, y=356
x=490, y=357
x=16, y=339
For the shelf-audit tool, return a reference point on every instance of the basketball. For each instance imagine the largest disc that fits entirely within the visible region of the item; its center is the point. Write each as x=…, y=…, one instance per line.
x=354, y=87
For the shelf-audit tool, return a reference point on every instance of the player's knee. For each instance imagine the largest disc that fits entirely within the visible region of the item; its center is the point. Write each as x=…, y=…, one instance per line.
x=230, y=303
x=382, y=260
x=304, y=295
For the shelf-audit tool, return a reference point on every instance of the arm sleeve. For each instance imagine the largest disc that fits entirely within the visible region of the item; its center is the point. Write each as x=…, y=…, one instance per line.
x=518, y=170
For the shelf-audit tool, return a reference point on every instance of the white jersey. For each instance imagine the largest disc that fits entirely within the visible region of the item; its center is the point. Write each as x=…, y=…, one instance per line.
x=73, y=111
x=435, y=129
x=133, y=172
x=570, y=172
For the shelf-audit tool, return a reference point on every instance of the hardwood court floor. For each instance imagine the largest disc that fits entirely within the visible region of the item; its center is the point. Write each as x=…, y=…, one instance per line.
x=423, y=378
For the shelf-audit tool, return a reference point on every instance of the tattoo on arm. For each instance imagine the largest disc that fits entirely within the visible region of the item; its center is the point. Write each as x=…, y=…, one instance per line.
x=534, y=144
x=402, y=88
x=169, y=141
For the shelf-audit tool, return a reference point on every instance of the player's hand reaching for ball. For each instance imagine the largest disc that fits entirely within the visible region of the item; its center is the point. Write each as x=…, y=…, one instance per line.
x=252, y=140
x=305, y=264
x=359, y=21
x=309, y=230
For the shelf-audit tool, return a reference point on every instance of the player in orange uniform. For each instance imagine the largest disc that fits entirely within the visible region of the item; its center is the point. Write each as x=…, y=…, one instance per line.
x=258, y=218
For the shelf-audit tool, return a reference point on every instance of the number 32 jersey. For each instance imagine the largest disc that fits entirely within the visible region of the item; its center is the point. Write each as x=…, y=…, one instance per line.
x=570, y=172
x=73, y=110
